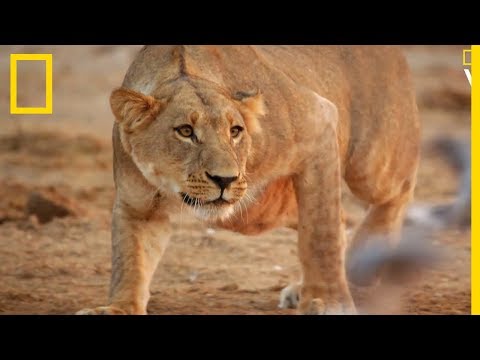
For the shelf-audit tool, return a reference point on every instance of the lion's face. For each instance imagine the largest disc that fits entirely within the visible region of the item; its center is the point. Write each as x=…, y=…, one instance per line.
x=193, y=146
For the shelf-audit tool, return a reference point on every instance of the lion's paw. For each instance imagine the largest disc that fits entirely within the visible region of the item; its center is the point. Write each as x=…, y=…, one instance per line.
x=290, y=296
x=320, y=307
x=102, y=310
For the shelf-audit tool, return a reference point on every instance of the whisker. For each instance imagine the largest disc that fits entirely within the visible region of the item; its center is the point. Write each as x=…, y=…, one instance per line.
x=248, y=199
x=181, y=210
x=246, y=209
x=229, y=218
x=241, y=212
x=154, y=194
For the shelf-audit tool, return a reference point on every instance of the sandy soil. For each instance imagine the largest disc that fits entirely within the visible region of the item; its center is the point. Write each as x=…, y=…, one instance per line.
x=63, y=265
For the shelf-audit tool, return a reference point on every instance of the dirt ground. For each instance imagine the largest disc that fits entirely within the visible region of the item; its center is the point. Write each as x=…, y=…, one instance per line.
x=63, y=265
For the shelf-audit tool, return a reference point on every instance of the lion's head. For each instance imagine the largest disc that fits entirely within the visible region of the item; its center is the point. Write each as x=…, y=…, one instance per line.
x=191, y=139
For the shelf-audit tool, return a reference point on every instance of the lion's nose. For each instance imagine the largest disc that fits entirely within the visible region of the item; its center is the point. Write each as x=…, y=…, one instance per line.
x=222, y=181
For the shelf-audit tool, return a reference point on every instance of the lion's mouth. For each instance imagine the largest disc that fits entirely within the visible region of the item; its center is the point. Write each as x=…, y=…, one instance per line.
x=189, y=200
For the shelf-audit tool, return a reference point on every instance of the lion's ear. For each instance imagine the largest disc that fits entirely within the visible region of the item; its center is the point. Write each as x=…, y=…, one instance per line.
x=134, y=110
x=252, y=107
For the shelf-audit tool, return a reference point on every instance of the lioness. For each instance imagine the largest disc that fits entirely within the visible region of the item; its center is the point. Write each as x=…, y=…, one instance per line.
x=272, y=129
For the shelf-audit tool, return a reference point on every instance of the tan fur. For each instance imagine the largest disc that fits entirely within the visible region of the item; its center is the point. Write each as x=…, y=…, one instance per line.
x=311, y=114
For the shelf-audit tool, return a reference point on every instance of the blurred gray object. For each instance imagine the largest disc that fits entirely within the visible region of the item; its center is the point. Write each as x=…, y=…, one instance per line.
x=415, y=250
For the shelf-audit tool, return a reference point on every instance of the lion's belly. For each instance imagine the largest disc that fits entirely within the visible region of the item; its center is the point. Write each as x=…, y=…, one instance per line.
x=275, y=207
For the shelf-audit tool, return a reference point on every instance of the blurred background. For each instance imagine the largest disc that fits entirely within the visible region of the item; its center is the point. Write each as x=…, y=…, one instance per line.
x=56, y=193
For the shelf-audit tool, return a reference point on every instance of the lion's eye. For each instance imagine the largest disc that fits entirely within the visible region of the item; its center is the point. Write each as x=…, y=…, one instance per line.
x=185, y=130
x=235, y=131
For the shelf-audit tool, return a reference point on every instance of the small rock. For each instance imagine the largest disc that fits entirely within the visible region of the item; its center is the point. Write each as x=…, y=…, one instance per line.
x=193, y=276
x=229, y=287
x=46, y=206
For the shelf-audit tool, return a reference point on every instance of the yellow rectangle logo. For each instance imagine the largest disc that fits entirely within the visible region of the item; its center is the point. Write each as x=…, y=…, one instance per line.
x=48, y=109
x=475, y=143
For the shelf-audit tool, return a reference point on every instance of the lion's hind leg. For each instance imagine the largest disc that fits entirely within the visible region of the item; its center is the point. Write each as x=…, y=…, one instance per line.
x=384, y=219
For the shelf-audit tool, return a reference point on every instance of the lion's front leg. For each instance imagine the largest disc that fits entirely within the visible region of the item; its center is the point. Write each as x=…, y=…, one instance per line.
x=138, y=244
x=321, y=235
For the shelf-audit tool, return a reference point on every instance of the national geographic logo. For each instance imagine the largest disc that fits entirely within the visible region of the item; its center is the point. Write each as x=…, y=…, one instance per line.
x=48, y=108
